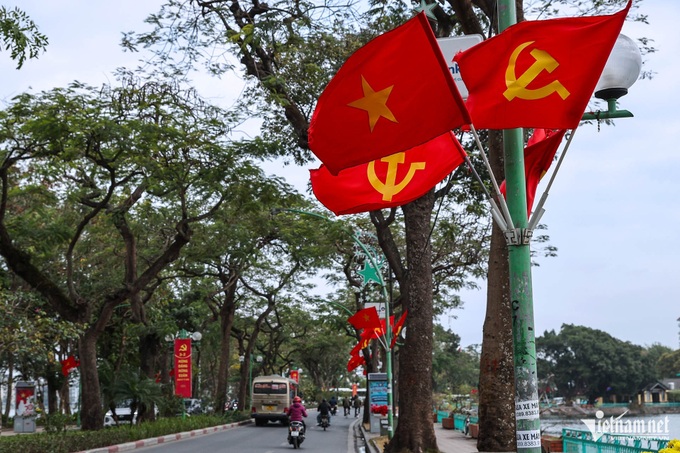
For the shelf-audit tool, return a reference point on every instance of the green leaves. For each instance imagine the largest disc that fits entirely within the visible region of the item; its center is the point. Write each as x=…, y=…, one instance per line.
x=20, y=35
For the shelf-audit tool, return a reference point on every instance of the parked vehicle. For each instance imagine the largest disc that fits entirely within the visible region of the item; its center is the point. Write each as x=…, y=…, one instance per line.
x=193, y=406
x=296, y=433
x=123, y=414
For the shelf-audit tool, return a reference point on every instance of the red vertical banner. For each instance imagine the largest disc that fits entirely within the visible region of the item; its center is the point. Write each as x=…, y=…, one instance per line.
x=295, y=375
x=354, y=390
x=183, y=367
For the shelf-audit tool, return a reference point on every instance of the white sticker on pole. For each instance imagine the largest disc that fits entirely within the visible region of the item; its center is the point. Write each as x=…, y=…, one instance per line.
x=528, y=439
x=527, y=410
x=450, y=47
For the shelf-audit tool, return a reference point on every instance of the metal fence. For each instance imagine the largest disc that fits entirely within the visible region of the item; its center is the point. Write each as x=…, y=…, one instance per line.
x=577, y=441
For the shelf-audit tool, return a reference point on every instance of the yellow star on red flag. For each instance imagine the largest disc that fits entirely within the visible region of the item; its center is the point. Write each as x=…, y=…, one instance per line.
x=375, y=103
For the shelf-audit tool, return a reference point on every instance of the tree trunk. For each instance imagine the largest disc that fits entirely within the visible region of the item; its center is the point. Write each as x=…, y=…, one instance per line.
x=10, y=382
x=415, y=431
x=226, y=321
x=496, y=374
x=52, y=389
x=91, y=415
x=149, y=350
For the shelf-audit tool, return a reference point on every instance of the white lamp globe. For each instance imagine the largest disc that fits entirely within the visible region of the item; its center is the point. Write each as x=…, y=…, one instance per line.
x=621, y=71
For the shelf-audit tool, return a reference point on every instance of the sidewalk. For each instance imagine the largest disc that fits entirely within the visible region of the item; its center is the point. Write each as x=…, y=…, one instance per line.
x=448, y=441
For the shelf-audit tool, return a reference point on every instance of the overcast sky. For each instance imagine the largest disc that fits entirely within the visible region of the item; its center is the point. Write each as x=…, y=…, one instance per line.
x=612, y=211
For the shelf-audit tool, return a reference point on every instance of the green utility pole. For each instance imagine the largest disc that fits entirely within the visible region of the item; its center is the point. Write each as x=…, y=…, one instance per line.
x=528, y=428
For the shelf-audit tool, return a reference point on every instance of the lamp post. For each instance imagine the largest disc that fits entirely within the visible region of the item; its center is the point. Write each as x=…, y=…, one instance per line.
x=183, y=362
x=528, y=426
x=242, y=358
x=377, y=276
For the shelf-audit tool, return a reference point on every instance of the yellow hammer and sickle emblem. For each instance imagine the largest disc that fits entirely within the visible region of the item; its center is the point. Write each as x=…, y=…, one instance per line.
x=517, y=86
x=390, y=188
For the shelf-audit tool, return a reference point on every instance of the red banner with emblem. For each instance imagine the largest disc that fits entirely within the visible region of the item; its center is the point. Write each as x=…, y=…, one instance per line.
x=294, y=374
x=183, y=367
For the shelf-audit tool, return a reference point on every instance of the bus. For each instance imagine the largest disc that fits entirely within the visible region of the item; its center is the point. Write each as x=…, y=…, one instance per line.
x=347, y=392
x=272, y=396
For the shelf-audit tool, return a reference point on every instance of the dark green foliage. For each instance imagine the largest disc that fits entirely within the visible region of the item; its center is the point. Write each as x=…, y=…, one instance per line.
x=20, y=35
x=589, y=362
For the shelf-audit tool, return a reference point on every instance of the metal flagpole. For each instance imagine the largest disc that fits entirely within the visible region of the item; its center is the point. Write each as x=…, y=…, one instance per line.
x=528, y=427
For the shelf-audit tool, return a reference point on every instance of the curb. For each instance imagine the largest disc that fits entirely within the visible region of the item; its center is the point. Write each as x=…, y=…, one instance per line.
x=368, y=440
x=165, y=439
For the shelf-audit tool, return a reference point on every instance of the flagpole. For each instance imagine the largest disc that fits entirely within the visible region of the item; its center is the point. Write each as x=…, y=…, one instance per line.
x=528, y=424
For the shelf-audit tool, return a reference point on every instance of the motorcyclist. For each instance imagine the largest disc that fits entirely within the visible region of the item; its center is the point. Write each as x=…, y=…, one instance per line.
x=333, y=402
x=324, y=409
x=296, y=411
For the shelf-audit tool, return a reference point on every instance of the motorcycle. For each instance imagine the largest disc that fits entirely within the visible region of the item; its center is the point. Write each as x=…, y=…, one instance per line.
x=325, y=422
x=296, y=433
x=334, y=409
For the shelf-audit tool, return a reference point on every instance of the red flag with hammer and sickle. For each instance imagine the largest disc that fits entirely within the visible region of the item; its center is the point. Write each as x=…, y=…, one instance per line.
x=394, y=93
x=538, y=74
x=391, y=181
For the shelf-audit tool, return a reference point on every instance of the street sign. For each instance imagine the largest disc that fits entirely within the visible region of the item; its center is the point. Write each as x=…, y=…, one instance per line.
x=450, y=47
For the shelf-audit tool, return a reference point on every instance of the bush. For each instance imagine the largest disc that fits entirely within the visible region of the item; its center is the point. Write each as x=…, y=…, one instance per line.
x=75, y=440
x=673, y=396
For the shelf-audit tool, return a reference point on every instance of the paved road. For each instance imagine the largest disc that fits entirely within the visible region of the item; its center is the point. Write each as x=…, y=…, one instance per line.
x=338, y=438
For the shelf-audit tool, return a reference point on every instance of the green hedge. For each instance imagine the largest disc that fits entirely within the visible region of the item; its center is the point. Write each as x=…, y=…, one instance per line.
x=673, y=396
x=75, y=440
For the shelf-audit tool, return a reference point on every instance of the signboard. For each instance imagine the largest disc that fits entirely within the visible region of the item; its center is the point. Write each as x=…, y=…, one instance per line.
x=379, y=307
x=450, y=47
x=377, y=389
x=183, y=367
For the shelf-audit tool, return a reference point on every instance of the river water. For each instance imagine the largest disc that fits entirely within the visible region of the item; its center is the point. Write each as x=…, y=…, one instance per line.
x=668, y=425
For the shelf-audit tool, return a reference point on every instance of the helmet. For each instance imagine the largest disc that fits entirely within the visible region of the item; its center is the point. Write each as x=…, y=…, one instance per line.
x=297, y=399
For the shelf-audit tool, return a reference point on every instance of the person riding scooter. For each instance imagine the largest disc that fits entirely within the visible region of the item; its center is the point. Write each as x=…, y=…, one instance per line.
x=324, y=409
x=296, y=411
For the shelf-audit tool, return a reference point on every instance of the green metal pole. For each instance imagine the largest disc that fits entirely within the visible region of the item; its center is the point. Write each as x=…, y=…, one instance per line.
x=528, y=427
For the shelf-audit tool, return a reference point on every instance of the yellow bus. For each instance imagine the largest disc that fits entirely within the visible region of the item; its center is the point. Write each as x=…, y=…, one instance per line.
x=272, y=396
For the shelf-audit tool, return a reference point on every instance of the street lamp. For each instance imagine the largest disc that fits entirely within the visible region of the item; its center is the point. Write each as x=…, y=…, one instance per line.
x=620, y=73
x=242, y=358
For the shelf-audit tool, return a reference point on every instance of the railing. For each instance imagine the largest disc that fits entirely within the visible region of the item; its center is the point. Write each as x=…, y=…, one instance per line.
x=577, y=441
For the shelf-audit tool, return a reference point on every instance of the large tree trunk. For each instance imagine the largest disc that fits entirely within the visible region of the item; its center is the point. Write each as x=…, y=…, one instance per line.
x=415, y=431
x=226, y=321
x=91, y=415
x=149, y=350
x=496, y=374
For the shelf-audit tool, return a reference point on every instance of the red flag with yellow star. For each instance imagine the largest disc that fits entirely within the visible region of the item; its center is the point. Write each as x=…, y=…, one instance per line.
x=393, y=94
x=365, y=319
x=538, y=73
x=390, y=181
